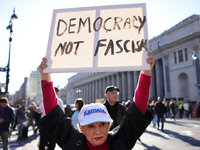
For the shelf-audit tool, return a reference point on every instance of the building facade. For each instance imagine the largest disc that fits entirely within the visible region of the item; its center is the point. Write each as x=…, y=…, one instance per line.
x=175, y=75
x=21, y=94
x=34, y=87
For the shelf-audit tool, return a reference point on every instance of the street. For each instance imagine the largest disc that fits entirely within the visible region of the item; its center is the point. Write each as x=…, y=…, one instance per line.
x=181, y=134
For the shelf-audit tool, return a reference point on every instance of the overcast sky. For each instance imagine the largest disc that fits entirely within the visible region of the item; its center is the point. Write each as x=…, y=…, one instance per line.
x=31, y=30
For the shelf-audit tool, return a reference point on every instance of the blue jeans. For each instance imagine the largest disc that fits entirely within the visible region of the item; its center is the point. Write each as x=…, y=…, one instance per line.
x=4, y=135
x=162, y=121
x=154, y=120
x=20, y=127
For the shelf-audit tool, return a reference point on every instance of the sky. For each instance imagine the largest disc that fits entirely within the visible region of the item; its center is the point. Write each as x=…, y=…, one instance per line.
x=31, y=30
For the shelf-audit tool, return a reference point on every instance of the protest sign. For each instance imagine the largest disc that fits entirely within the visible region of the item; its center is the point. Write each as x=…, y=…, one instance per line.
x=98, y=39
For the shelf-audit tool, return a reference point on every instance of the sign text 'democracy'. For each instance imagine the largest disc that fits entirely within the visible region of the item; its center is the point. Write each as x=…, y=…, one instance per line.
x=105, y=38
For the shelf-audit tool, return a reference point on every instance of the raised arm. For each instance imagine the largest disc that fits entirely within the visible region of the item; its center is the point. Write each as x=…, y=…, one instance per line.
x=49, y=97
x=44, y=76
x=142, y=91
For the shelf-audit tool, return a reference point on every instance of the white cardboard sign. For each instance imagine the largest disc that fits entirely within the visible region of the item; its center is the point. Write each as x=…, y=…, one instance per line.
x=98, y=39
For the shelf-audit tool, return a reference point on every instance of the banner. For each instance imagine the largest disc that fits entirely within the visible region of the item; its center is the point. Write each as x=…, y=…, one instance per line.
x=98, y=39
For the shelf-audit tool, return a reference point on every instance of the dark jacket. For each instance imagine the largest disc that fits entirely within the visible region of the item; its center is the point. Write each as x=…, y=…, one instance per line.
x=160, y=108
x=22, y=113
x=172, y=107
x=8, y=115
x=116, y=112
x=121, y=138
x=32, y=113
x=152, y=109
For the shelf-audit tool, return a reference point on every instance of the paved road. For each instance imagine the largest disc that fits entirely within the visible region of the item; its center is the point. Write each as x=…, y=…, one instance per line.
x=181, y=134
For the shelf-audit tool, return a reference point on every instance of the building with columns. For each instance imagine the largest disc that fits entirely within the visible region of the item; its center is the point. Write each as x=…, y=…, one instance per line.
x=175, y=75
x=90, y=86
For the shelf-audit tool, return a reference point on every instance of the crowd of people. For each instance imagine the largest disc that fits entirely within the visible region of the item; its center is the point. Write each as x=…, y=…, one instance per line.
x=162, y=109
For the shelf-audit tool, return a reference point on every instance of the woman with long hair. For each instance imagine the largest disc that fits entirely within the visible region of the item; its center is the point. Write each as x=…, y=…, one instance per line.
x=79, y=103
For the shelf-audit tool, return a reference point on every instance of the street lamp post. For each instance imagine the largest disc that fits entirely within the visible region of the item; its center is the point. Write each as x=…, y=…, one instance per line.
x=78, y=91
x=9, y=27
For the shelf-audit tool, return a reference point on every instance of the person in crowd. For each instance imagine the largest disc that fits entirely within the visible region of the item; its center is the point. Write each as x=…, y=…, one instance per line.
x=45, y=139
x=152, y=110
x=172, y=107
x=198, y=111
x=6, y=118
x=190, y=110
x=186, y=109
x=60, y=101
x=21, y=117
x=115, y=109
x=79, y=103
x=37, y=121
x=180, y=109
x=31, y=117
x=167, y=110
x=94, y=119
x=68, y=111
x=160, y=111
x=16, y=122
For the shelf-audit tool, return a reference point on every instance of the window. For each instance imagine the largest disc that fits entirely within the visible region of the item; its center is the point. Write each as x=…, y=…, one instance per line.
x=180, y=56
x=159, y=44
x=151, y=47
x=186, y=54
x=175, y=60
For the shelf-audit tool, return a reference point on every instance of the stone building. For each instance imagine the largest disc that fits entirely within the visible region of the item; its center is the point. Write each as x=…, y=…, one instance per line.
x=175, y=75
x=34, y=91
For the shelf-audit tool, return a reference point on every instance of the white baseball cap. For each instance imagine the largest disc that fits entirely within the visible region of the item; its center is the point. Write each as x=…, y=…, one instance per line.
x=94, y=112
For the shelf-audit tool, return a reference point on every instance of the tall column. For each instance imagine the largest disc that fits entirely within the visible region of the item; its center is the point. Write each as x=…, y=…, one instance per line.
x=118, y=80
x=166, y=76
x=93, y=92
x=108, y=81
x=153, y=92
x=87, y=93
x=90, y=92
x=123, y=88
x=159, y=77
x=100, y=88
x=130, y=85
x=84, y=92
x=113, y=79
x=75, y=95
x=96, y=89
x=104, y=82
x=81, y=91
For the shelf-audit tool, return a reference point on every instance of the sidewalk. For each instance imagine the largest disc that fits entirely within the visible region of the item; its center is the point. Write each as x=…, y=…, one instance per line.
x=31, y=143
